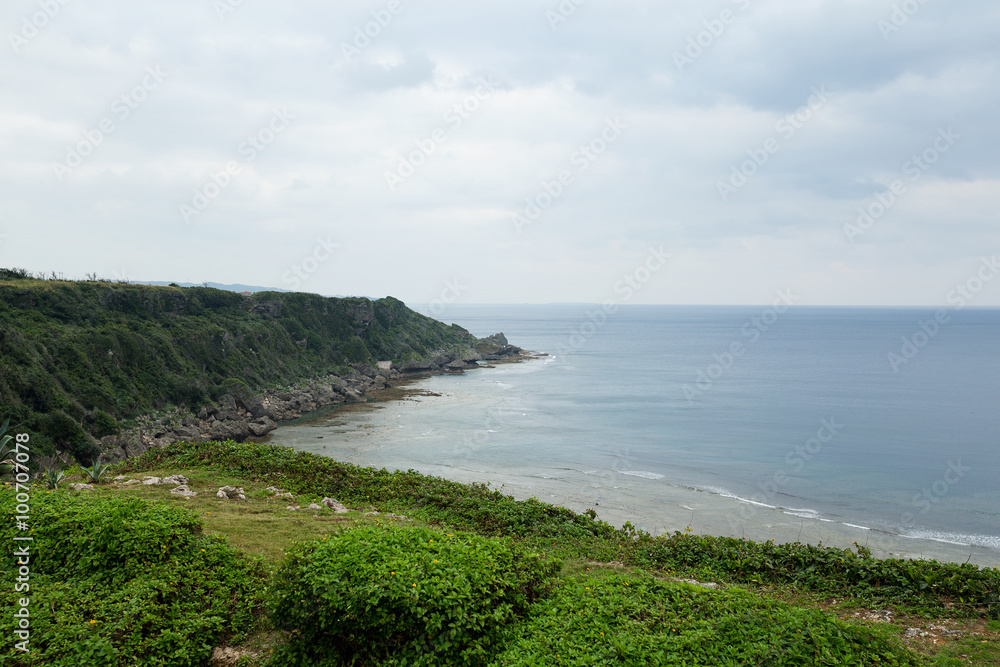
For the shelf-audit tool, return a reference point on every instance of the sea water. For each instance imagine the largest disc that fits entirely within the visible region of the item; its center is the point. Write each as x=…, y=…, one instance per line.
x=872, y=426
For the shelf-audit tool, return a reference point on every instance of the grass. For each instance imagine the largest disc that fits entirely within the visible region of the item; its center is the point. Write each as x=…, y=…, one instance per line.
x=260, y=526
x=845, y=619
x=966, y=651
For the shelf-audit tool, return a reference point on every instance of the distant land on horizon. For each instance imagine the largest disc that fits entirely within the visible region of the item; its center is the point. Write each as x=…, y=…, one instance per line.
x=229, y=288
x=236, y=288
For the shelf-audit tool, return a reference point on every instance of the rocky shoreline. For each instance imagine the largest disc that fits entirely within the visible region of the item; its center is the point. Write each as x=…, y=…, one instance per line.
x=245, y=415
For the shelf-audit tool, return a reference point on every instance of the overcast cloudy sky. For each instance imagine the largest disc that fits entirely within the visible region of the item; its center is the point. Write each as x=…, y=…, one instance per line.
x=515, y=152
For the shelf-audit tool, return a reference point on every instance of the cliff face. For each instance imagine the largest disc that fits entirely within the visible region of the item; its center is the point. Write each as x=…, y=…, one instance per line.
x=75, y=357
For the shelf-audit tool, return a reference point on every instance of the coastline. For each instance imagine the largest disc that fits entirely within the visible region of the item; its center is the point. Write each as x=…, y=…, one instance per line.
x=364, y=435
x=245, y=415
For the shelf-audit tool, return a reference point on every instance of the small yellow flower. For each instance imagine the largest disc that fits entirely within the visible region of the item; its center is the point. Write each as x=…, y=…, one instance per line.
x=92, y=622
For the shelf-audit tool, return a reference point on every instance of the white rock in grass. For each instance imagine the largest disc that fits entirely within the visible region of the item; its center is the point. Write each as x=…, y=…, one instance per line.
x=183, y=490
x=150, y=480
x=294, y=508
x=175, y=479
x=314, y=506
x=133, y=481
x=81, y=487
x=226, y=657
x=231, y=493
x=335, y=506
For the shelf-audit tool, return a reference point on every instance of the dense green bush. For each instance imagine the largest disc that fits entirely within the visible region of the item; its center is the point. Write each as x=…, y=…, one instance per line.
x=104, y=424
x=403, y=596
x=124, y=582
x=630, y=620
x=14, y=274
x=111, y=536
x=968, y=588
x=68, y=436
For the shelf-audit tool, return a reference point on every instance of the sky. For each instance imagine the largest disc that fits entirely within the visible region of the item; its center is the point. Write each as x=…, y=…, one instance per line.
x=532, y=151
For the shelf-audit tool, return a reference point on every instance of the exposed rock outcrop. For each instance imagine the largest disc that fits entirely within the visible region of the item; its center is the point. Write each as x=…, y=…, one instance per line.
x=242, y=415
x=231, y=493
x=335, y=505
x=227, y=657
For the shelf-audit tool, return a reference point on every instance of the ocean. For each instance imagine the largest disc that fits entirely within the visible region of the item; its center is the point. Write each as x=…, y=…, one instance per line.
x=875, y=426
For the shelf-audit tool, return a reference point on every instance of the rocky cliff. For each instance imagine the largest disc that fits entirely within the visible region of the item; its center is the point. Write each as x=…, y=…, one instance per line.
x=245, y=415
x=80, y=362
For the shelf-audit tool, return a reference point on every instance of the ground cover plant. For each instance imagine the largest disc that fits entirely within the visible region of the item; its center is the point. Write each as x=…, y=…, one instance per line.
x=638, y=620
x=118, y=581
x=129, y=584
x=403, y=595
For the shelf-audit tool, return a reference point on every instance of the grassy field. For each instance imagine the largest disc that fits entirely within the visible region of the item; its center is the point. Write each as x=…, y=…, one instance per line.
x=609, y=604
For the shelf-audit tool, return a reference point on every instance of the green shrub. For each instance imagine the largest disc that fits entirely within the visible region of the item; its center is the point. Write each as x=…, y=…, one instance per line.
x=125, y=582
x=969, y=589
x=96, y=471
x=53, y=477
x=238, y=388
x=403, y=596
x=631, y=620
x=14, y=274
x=104, y=425
x=69, y=436
x=112, y=536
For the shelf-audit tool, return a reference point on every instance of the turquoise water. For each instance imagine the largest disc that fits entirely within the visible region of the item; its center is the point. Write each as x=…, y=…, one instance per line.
x=733, y=420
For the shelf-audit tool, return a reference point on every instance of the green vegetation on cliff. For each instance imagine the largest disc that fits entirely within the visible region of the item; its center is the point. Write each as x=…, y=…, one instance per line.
x=77, y=356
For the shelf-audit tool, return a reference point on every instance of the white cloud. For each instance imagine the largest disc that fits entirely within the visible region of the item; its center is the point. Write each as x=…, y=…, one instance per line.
x=355, y=120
